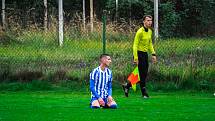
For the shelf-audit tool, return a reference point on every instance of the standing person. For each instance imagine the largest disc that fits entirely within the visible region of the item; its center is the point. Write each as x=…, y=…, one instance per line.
x=101, y=85
x=142, y=45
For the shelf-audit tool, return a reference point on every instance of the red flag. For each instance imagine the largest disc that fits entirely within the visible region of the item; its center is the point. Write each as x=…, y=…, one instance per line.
x=134, y=76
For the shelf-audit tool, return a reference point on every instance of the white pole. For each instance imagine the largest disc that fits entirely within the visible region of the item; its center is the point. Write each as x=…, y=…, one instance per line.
x=60, y=6
x=130, y=15
x=45, y=15
x=3, y=14
x=84, y=18
x=116, y=10
x=156, y=18
x=91, y=15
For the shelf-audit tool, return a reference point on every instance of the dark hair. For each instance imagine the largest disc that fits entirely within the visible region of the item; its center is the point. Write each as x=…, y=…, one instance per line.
x=103, y=55
x=144, y=17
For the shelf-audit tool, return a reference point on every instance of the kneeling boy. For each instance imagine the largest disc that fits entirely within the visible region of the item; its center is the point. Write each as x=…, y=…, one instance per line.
x=101, y=85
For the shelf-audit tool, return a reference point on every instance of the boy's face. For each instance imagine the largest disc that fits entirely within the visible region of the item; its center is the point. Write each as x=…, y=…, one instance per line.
x=147, y=22
x=106, y=60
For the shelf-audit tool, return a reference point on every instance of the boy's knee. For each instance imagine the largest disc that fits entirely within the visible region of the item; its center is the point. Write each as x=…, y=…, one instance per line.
x=114, y=106
x=111, y=103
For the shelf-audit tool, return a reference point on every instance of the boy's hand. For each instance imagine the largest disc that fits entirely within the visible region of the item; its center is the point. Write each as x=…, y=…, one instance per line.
x=110, y=99
x=101, y=102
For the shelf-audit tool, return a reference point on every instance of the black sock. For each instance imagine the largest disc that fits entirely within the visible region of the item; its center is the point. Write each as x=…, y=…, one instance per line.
x=128, y=85
x=143, y=90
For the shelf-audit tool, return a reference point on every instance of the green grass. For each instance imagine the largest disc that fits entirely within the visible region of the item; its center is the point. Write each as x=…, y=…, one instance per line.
x=74, y=106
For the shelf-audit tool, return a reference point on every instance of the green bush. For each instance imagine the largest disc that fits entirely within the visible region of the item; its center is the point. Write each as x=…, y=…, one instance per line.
x=39, y=85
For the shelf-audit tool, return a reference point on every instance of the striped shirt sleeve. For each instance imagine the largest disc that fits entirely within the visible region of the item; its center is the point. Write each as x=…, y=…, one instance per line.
x=110, y=84
x=92, y=83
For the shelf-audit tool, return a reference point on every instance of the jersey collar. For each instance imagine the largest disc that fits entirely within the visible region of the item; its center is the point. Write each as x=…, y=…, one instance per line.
x=102, y=70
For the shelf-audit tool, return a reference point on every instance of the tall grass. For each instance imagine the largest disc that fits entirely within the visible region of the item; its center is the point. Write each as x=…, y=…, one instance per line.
x=35, y=55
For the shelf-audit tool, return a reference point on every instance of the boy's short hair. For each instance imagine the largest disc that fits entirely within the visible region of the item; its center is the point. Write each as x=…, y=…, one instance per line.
x=144, y=17
x=103, y=55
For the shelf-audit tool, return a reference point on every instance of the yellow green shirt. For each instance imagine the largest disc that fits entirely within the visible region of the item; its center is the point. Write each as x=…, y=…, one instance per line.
x=143, y=42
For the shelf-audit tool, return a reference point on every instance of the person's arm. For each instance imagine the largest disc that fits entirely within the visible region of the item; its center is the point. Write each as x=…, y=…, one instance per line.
x=110, y=86
x=92, y=88
x=92, y=83
x=151, y=48
x=135, y=45
x=152, y=51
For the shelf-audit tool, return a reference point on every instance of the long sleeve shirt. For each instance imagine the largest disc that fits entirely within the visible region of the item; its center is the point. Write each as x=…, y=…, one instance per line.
x=143, y=42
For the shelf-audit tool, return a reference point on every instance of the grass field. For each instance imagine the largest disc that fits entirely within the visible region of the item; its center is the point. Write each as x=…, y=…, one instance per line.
x=74, y=106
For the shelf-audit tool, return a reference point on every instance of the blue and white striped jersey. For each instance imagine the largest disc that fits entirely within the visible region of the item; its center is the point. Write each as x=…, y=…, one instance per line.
x=101, y=83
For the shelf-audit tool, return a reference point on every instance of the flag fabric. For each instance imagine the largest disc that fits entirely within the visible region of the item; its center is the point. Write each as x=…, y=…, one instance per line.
x=134, y=78
x=134, y=87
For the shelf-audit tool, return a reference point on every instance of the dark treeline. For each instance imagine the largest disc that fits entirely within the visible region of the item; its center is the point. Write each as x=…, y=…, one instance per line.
x=177, y=18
